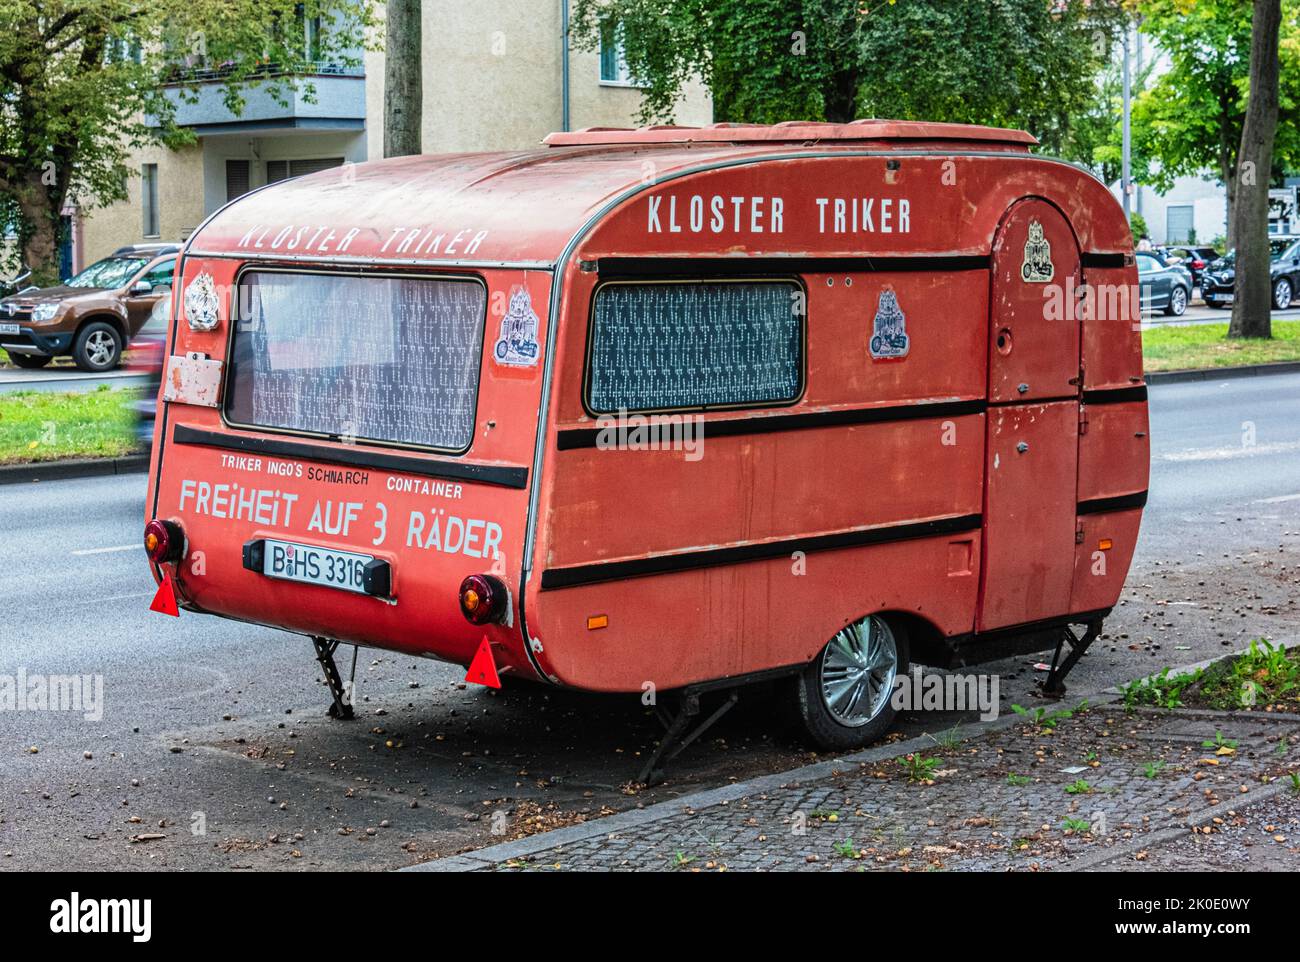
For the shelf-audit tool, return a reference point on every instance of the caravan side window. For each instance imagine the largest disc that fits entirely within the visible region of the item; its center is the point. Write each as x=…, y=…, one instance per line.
x=673, y=345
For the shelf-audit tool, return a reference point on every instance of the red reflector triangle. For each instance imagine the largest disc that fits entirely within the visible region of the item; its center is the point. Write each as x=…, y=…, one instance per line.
x=164, y=601
x=483, y=670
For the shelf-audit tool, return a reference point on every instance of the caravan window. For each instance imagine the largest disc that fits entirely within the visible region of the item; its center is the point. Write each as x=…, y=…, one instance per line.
x=364, y=358
x=672, y=345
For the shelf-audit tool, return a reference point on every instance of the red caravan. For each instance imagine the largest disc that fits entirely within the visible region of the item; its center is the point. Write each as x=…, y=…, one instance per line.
x=676, y=406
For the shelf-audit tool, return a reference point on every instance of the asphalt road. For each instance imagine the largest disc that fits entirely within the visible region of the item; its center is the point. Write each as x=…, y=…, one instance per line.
x=213, y=733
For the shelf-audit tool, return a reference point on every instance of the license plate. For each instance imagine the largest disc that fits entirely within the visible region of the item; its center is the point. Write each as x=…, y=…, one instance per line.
x=9, y=329
x=315, y=566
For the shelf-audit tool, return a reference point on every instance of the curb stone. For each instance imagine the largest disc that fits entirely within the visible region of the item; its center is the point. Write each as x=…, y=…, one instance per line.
x=1218, y=373
x=73, y=468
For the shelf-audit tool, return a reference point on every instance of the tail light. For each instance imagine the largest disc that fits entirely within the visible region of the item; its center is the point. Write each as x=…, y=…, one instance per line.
x=482, y=599
x=1198, y=264
x=163, y=541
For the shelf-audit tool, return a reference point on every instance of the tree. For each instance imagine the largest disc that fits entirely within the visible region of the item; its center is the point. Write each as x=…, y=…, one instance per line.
x=83, y=82
x=403, y=79
x=1251, y=310
x=1023, y=63
x=1191, y=119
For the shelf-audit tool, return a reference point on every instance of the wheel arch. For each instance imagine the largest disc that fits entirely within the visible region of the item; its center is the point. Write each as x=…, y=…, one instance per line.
x=118, y=323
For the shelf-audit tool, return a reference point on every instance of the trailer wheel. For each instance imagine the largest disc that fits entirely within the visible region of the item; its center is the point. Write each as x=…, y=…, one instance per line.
x=843, y=697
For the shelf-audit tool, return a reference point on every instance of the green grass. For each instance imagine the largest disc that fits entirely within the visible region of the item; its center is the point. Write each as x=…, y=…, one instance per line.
x=1207, y=346
x=47, y=426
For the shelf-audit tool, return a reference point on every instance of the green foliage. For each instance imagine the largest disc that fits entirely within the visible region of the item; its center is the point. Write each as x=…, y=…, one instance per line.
x=1079, y=826
x=1019, y=63
x=1138, y=224
x=1079, y=787
x=1266, y=674
x=81, y=84
x=919, y=768
x=1190, y=120
x=1160, y=690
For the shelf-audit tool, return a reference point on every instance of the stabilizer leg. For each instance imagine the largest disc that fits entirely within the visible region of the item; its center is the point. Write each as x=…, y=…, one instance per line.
x=341, y=706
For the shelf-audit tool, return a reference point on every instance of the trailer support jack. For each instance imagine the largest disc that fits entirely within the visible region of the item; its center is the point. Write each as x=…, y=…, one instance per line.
x=341, y=706
x=1055, y=683
x=676, y=739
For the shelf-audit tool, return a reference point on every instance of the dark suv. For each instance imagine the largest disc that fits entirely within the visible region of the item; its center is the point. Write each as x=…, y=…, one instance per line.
x=92, y=316
x=1219, y=281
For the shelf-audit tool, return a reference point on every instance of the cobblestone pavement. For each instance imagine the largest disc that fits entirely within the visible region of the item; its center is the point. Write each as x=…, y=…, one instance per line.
x=1097, y=789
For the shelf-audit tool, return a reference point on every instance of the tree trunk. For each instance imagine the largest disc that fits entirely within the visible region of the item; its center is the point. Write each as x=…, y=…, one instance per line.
x=841, y=96
x=38, y=230
x=1251, y=311
x=403, y=79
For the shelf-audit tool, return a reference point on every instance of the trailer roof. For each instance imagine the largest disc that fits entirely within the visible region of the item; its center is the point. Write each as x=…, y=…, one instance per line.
x=791, y=131
x=523, y=208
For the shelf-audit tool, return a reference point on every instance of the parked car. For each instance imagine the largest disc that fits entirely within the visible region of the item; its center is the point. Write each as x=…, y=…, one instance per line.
x=16, y=284
x=1195, y=259
x=1219, y=280
x=147, y=356
x=1163, y=286
x=91, y=316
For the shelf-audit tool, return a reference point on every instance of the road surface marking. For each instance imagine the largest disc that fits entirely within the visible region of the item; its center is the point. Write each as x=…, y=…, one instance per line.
x=1285, y=497
x=1225, y=454
x=120, y=547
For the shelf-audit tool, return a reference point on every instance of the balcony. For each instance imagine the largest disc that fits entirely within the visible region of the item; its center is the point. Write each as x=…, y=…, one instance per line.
x=338, y=102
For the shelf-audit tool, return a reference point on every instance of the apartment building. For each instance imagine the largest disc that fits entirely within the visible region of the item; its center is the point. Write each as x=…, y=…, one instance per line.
x=496, y=76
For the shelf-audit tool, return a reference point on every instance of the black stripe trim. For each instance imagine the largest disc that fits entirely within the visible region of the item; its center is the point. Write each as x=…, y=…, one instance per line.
x=573, y=438
x=1125, y=502
x=1104, y=260
x=506, y=476
x=1115, y=395
x=588, y=574
x=698, y=267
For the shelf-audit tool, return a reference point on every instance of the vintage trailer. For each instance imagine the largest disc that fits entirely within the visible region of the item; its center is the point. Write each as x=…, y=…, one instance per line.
x=671, y=407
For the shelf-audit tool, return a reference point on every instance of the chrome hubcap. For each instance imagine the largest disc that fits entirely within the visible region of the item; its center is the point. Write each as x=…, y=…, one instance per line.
x=1282, y=294
x=858, y=669
x=100, y=348
x=1180, y=300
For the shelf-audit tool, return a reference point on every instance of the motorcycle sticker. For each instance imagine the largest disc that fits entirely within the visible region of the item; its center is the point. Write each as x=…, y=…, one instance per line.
x=1037, y=268
x=201, y=303
x=889, y=332
x=517, y=345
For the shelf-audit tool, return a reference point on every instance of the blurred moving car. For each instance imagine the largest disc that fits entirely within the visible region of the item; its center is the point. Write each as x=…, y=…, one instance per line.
x=91, y=316
x=1163, y=286
x=1195, y=259
x=147, y=355
x=1220, y=278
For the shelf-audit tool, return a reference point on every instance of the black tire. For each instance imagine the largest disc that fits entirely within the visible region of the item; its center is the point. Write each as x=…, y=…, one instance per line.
x=820, y=724
x=98, y=347
x=30, y=361
x=1283, y=294
x=1178, y=298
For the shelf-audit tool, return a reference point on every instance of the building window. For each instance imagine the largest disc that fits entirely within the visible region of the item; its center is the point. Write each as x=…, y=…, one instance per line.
x=691, y=344
x=236, y=179
x=149, y=199
x=284, y=169
x=613, y=58
x=1180, y=224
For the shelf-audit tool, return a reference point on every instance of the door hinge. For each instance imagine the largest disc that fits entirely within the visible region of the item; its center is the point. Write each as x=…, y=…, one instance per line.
x=1083, y=421
x=1078, y=535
